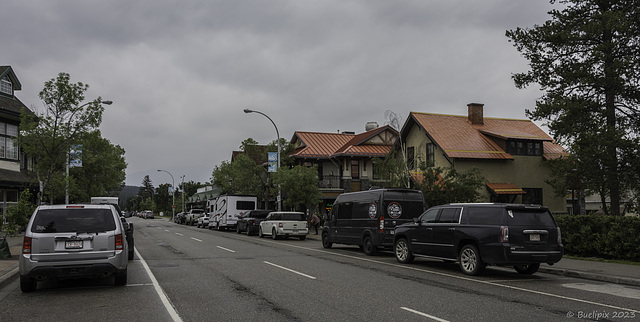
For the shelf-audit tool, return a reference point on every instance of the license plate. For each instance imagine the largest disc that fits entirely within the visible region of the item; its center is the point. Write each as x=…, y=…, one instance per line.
x=73, y=244
x=534, y=237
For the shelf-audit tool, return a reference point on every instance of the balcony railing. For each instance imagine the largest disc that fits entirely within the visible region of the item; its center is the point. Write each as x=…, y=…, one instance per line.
x=329, y=182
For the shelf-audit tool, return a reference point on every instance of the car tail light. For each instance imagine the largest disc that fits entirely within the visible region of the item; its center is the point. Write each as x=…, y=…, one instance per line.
x=280, y=225
x=381, y=224
x=26, y=245
x=119, y=242
x=559, y=236
x=75, y=206
x=504, y=234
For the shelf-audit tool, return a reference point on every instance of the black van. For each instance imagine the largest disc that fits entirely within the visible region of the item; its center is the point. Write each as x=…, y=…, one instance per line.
x=368, y=218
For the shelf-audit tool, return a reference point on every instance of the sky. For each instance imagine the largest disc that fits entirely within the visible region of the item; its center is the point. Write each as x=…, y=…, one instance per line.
x=180, y=73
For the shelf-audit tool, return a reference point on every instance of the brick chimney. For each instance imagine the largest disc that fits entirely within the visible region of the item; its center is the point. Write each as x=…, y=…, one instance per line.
x=476, y=113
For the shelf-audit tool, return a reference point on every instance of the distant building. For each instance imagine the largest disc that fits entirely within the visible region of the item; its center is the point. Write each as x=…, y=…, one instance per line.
x=14, y=166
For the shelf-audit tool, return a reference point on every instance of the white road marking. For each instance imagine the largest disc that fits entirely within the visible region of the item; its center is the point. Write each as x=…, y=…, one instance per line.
x=163, y=296
x=196, y=239
x=167, y=230
x=462, y=278
x=290, y=270
x=227, y=249
x=424, y=314
x=179, y=234
x=617, y=290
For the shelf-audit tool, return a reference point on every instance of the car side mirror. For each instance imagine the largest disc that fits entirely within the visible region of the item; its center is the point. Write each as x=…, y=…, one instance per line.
x=416, y=220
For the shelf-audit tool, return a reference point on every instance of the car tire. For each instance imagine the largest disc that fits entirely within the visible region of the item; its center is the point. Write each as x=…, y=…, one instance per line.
x=470, y=261
x=274, y=235
x=121, y=279
x=527, y=269
x=368, y=247
x=402, y=251
x=260, y=232
x=28, y=284
x=303, y=237
x=326, y=243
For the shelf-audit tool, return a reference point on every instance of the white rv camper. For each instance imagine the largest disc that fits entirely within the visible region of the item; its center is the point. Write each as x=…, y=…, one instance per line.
x=227, y=209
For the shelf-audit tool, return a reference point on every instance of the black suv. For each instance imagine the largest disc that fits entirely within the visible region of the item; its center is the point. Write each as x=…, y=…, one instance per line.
x=250, y=221
x=477, y=235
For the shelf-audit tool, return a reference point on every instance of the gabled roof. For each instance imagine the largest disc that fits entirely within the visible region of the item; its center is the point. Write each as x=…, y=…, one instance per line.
x=10, y=106
x=8, y=71
x=459, y=138
x=317, y=145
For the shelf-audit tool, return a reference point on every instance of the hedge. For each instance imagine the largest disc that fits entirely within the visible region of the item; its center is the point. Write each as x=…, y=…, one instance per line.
x=604, y=237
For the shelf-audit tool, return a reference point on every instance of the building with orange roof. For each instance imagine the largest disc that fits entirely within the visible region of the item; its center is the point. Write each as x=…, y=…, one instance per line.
x=510, y=153
x=344, y=160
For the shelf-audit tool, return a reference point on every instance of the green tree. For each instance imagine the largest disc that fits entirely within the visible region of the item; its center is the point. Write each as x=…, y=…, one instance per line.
x=299, y=186
x=146, y=190
x=17, y=215
x=447, y=185
x=586, y=60
x=392, y=170
x=48, y=137
x=163, y=199
x=102, y=172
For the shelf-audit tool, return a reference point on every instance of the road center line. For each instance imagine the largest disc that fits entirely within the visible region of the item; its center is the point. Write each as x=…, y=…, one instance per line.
x=227, y=249
x=424, y=314
x=163, y=296
x=290, y=270
x=463, y=278
x=179, y=234
x=196, y=239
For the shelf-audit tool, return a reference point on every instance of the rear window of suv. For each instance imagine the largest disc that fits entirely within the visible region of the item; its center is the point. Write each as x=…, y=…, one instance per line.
x=529, y=218
x=299, y=217
x=73, y=220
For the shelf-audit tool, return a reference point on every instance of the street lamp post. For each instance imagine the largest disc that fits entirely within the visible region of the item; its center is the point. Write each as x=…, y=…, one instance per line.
x=66, y=190
x=246, y=110
x=173, y=194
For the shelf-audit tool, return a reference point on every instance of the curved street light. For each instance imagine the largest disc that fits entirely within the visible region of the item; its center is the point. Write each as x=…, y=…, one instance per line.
x=173, y=194
x=246, y=110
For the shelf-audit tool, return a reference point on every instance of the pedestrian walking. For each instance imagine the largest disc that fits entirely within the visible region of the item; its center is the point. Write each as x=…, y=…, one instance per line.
x=315, y=221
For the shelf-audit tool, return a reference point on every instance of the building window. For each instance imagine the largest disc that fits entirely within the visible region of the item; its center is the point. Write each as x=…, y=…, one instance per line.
x=431, y=157
x=532, y=196
x=411, y=158
x=6, y=86
x=355, y=169
x=8, y=149
x=522, y=147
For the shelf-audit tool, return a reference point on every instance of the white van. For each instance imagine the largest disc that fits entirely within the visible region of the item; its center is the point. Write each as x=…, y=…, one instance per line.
x=225, y=210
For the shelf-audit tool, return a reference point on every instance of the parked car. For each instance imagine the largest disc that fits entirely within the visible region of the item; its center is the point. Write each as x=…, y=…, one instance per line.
x=193, y=215
x=477, y=235
x=148, y=214
x=203, y=221
x=369, y=218
x=250, y=222
x=284, y=224
x=73, y=241
x=180, y=218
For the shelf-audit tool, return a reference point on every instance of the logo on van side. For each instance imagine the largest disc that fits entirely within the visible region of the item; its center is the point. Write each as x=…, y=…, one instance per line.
x=373, y=210
x=394, y=210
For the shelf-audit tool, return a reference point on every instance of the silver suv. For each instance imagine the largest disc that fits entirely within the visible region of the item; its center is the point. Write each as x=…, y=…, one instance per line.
x=73, y=241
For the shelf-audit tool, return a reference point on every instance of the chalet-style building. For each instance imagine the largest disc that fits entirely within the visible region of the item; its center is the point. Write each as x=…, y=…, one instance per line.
x=13, y=163
x=344, y=160
x=510, y=153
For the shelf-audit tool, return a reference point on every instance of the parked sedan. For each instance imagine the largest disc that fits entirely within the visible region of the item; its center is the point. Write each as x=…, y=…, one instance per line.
x=203, y=221
x=283, y=224
x=250, y=222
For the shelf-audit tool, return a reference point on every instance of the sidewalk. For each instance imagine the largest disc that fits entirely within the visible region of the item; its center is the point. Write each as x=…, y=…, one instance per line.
x=606, y=272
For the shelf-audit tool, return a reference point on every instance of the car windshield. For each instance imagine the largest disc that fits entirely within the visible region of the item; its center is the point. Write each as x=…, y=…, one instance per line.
x=79, y=220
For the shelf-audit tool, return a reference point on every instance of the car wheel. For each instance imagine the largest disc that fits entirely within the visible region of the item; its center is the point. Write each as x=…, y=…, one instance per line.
x=402, y=251
x=260, y=232
x=274, y=235
x=368, y=247
x=303, y=237
x=470, y=261
x=527, y=269
x=27, y=284
x=326, y=243
x=121, y=279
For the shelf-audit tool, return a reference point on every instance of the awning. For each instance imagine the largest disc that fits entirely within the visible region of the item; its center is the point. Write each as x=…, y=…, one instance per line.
x=505, y=189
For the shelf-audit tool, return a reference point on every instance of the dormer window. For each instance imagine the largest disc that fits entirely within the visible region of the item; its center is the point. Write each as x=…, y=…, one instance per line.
x=524, y=147
x=5, y=86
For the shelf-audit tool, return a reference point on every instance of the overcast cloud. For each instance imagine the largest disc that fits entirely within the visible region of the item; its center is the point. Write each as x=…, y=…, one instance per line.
x=180, y=73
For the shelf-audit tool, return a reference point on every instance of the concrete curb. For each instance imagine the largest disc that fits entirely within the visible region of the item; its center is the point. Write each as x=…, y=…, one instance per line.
x=9, y=276
x=591, y=276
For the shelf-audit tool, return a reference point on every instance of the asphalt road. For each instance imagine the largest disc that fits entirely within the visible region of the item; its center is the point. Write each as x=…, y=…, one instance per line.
x=193, y=274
